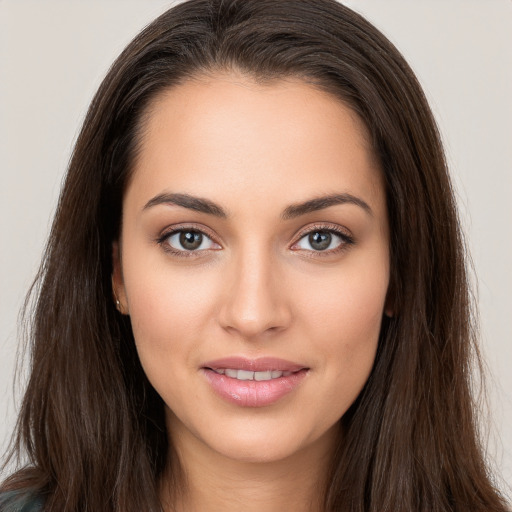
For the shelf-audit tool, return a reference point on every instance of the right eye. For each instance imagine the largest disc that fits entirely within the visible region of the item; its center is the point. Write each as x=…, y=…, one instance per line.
x=183, y=241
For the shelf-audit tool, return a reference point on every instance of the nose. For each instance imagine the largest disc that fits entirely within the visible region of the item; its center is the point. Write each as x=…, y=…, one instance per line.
x=255, y=302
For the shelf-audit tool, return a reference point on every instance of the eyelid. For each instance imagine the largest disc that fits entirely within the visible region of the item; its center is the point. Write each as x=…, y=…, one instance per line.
x=343, y=233
x=171, y=230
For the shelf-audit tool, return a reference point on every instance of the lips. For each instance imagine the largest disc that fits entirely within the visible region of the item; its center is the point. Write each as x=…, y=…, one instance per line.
x=255, y=365
x=253, y=382
x=249, y=375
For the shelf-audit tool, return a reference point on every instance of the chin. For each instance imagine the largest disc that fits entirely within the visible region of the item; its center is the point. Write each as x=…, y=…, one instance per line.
x=270, y=445
x=259, y=451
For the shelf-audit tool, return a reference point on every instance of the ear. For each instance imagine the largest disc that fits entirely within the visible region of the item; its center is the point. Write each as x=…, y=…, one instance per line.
x=118, y=290
x=389, y=312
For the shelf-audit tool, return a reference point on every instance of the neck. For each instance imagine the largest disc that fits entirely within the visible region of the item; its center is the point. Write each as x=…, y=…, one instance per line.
x=220, y=484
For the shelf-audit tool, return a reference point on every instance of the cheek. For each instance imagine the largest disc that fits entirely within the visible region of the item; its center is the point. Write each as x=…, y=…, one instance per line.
x=169, y=311
x=172, y=312
x=344, y=318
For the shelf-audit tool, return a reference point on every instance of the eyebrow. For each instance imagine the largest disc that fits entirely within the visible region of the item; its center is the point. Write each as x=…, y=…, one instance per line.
x=293, y=211
x=197, y=204
x=319, y=203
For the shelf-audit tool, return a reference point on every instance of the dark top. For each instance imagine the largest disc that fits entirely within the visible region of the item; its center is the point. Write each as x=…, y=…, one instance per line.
x=20, y=501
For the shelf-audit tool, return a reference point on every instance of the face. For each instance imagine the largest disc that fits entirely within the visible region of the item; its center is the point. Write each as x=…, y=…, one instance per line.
x=253, y=262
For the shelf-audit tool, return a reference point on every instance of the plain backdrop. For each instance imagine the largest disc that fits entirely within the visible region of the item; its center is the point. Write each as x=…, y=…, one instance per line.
x=53, y=55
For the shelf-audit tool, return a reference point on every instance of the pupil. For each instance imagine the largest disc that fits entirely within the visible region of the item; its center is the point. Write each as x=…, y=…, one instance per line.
x=320, y=240
x=190, y=239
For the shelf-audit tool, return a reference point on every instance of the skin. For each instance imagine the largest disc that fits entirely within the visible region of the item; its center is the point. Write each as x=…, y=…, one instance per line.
x=259, y=288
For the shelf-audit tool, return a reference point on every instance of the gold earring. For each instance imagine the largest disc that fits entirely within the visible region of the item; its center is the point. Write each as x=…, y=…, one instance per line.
x=116, y=300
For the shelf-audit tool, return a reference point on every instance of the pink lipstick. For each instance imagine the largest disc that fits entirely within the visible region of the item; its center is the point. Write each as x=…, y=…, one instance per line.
x=253, y=382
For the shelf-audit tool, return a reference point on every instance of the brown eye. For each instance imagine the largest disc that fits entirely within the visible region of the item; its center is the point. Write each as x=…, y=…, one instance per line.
x=188, y=240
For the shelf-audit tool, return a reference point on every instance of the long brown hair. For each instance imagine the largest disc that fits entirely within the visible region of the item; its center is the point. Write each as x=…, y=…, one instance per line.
x=92, y=427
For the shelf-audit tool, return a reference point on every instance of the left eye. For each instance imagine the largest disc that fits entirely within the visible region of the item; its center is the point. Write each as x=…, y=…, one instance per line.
x=189, y=240
x=321, y=240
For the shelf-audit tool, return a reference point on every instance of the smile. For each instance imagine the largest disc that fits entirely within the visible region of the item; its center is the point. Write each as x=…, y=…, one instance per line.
x=253, y=382
x=249, y=375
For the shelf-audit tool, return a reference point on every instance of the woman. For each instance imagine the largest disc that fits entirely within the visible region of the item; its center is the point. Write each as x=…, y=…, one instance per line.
x=254, y=293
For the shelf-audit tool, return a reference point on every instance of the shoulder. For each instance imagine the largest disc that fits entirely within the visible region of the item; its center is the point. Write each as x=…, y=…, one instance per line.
x=20, y=501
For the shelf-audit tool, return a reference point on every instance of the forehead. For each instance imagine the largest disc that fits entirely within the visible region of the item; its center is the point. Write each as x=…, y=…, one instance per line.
x=228, y=137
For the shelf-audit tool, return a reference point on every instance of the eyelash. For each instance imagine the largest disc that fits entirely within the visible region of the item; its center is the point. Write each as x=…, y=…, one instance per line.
x=181, y=229
x=346, y=240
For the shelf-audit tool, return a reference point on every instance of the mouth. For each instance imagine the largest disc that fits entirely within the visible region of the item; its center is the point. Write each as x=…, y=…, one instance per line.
x=249, y=375
x=260, y=365
x=253, y=383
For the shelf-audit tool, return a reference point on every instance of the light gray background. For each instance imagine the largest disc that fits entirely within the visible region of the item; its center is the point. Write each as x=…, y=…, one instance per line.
x=53, y=55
